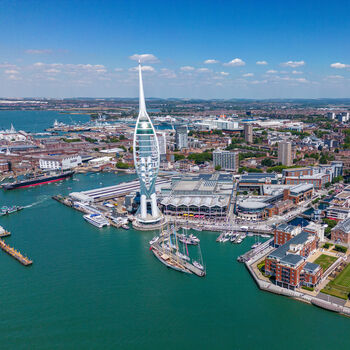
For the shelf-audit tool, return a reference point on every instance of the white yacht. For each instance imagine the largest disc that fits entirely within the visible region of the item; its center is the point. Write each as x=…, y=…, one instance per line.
x=97, y=220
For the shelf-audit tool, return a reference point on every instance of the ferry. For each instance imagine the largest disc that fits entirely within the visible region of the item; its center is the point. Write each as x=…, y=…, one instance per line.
x=97, y=220
x=9, y=210
x=37, y=180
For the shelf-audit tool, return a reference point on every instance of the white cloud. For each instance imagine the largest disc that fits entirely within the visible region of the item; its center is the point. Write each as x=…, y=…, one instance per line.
x=52, y=71
x=339, y=65
x=203, y=70
x=297, y=72
x=271, y=71
x=118, y=69
x=335, y=77
x=187, y=68
x=144, y=69
x=259, y=82
x=11, y=71
x=224, y=73
x=38, y=64
x=167, y=73
x=293, y=64
x=14, y=77
x=262, y=63
x=145, y=57
x=301, y=80
x=38, y=52
x=211, y=61
x=235, y=62
x=248, y=75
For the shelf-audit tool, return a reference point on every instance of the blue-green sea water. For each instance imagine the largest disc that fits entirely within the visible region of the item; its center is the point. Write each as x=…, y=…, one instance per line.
x=104, y=289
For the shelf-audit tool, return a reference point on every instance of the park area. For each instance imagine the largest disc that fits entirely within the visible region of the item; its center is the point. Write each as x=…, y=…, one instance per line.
x=325, y=261
x=340, y=286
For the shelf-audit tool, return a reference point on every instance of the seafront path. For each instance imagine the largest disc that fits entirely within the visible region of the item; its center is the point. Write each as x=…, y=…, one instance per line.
x=320, y=300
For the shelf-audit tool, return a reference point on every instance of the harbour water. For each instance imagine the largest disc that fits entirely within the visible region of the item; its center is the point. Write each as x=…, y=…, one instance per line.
x=104, y=289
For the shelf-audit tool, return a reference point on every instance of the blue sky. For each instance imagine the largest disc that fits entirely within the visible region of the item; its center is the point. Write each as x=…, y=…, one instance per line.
x=190, y=49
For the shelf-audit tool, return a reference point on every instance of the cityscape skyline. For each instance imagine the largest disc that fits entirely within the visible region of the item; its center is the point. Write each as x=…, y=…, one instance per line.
x=221, y=50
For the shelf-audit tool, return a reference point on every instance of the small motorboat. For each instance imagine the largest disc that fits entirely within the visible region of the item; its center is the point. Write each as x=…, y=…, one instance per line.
x=154, y=240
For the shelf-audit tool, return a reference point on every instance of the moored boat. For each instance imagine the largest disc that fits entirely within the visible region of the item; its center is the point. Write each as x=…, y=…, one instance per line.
x=37, y=180
x=97, y=220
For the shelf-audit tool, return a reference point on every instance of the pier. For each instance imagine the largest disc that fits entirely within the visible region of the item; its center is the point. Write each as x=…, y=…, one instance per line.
x=15, y=254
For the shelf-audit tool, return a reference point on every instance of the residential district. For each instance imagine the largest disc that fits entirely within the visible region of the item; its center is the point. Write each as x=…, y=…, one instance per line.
x=271, y=169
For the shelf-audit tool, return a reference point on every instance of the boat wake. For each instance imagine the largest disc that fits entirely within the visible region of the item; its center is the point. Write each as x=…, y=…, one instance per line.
x=41, y=200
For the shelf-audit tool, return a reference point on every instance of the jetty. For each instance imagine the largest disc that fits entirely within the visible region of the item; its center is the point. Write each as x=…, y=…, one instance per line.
x=15, y=254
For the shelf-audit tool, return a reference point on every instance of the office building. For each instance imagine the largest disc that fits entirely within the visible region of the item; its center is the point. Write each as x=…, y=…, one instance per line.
x=226, y=160
x=285, y=153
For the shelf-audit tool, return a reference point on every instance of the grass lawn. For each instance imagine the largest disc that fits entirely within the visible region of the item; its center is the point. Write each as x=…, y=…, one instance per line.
x=340, y=286
x=325, y=261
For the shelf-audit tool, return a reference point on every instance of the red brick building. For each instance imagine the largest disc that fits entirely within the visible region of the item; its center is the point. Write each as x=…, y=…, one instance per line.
x=341, y=232
x=288, y=262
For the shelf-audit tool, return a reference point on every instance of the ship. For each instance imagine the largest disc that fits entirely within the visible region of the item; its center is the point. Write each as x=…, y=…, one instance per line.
x=37, y=180
x=97, y=220
x=4, y=210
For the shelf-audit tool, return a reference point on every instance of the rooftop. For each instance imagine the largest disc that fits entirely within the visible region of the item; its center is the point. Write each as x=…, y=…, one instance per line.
x=311, y=267
x=343, y=226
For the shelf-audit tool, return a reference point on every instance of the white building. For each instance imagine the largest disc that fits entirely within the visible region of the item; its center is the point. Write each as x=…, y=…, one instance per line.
x=61, y=162
x=162, y=143
x=96, y=162
x=181, y=137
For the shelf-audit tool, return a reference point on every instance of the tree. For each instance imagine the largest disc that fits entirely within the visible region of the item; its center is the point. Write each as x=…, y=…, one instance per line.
x=267, y=162
x=122, y=165
x=178, y=157
x=217, y=167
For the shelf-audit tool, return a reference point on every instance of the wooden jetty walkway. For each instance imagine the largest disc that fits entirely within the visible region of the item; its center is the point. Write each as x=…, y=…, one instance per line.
x=15, y=254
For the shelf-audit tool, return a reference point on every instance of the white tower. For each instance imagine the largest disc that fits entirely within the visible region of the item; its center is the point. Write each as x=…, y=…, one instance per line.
x=146, y=159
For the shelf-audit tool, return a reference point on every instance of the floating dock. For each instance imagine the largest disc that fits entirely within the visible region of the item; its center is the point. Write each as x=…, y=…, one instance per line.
x=15, y=254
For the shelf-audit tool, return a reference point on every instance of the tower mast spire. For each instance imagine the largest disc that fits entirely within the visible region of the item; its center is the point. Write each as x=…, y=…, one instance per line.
x=142, y=103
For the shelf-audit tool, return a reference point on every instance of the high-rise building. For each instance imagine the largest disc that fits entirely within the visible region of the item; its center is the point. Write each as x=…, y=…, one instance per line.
x=146, y=159
x=248, y=133
x=285, y=153
x=181, y=137
x=226, y=160
x=162, y=145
